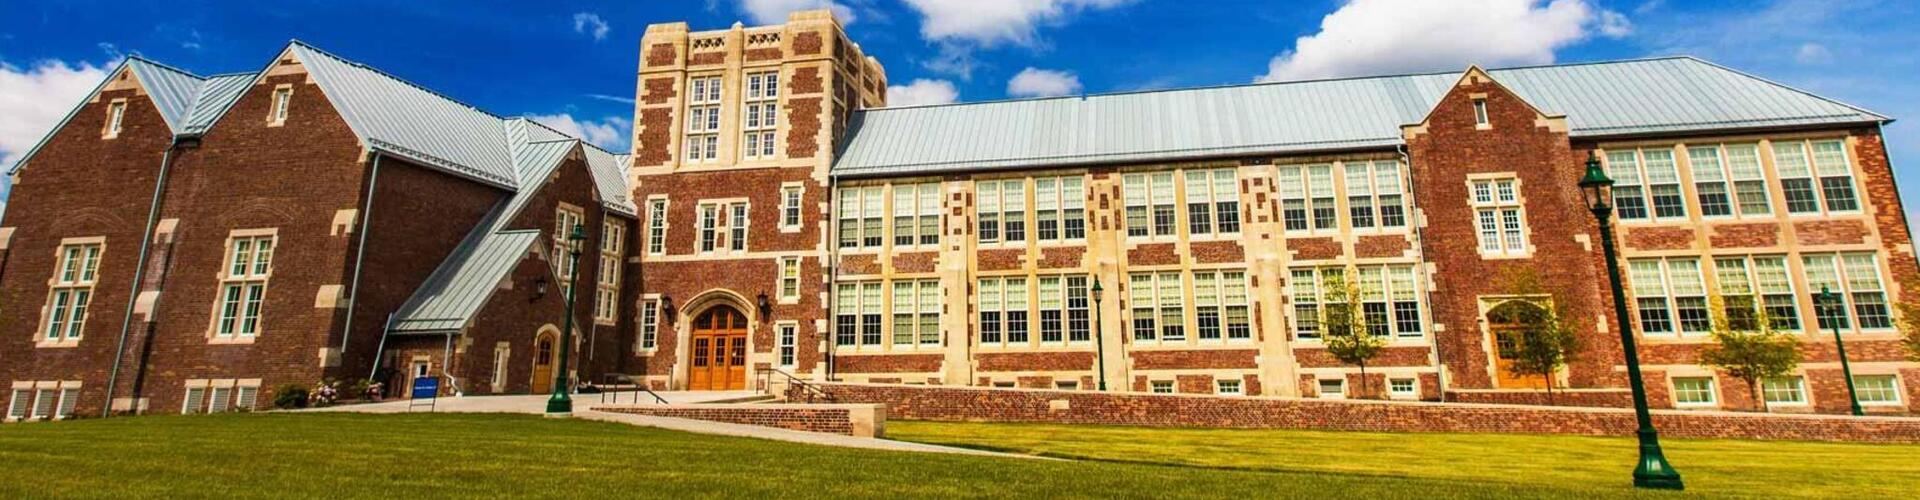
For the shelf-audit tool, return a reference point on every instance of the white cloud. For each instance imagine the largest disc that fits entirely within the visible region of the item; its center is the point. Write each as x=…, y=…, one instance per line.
x=920, y=92
x=1366, y=37
x=590, y=23
x=611, y=98
x=764, y=12
x=610, y=133
x=1036, y=82
x=961, y=26
x=33, y=100
x=1812, y=53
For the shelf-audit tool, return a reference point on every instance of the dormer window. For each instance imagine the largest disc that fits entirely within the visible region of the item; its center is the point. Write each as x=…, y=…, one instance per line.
x=115, y=113
x=281, y=96
x=1480, y=112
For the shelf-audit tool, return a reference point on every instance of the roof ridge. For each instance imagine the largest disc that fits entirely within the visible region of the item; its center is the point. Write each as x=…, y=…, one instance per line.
x=1784, y=86
x=165, y=66
x=397, y=78
x=583, y=140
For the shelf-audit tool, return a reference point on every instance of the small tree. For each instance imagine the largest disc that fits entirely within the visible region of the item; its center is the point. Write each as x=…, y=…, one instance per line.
x=1546, y=343
x=1910, y=321
x=1344, y=327
x=1752, y=354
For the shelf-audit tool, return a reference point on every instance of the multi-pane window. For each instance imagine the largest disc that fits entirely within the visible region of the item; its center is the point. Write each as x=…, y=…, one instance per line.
x=1059, y=208
x=1079, y=328
x=1403, y=387
x=564, y=221
x=1750, y=285
x=243, y=286
x=1726, y=178
x=1784, y=390
x=789, y=334
x=72, y=292
x=1149, y=204
x=1877, y=389
x=656, y=227
x=1693, y=391
x=1162, y=386
x=1643, y=174
x=1227, y=387
x=1220, y=305
x=1213, y=202
x=1159, y=312
x=1304, y=285
x=789, y=278
x=49, y=401
x=861, y=212
x=703, y=119
x=916, y=312
x=1002, y=210
x=723, y=226
x=116, y=114
x=1003, y=311
x=1499, y=217
x=613, y=248
x=790, y=200
x=1374, y=195
x=761, y=109
x=1855, y=278
x=1815, y=174
x=857, y=314
x=737, y=227
x=1389, y=300
x=280, y=99
x=1063, y=309
x=916, y=214
x=709, y=226
x=205, y=397
x=1670, y=296
x=649, y=323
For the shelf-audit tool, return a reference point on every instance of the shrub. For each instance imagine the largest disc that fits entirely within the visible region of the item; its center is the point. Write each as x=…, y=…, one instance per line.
x=289, y=397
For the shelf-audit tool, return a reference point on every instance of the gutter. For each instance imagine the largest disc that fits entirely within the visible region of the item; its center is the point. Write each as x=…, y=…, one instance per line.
x=831, y=270
x=360, y=257
x=140, y=268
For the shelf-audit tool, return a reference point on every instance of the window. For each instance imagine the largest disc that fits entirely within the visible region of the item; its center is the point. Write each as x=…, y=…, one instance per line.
x=1402, y=387
x=789, y=279
x=860, y=217
x=1063, y=309
x=44, y=400
x=1670, y=296
x=502, y=356
x=1066, y=385
x=1227, y=387
x=1374, y=195
x=737, y=228
x=116, y=114
x=281, y=97
x=1060, y=208
x=215, y=397
x=703, y=119
x=1213, y=202
x=1158, y=311
x=1742, y=279
x=1855, y=277
x=762, y=110
x=1003, y=311
x=1693, y=391
x=18, y=405
x=1149, y=202
x=243, y=286
x=656, y=226
x=613, y=247
x=790, y=200
x=649, y=323
x=1333, y=388
x=1162, y=386
x=1320, y=189
x=564, y=221
x=1002, y=211
x=72, y=292
x=1500, y=219
x=731, y=216
x=1799, y=171
x=1660, y=181
x=1389, y=300
x=1784, y=390
x=916, y=214
x=1079, y=329
x=1877, y=389
x=788, y=343
x=1293, y=199
x=1220, y=305
x=1480, y=112
x=1735, y=169
x=1305, y=288
x=857, y=317
x=916, y=312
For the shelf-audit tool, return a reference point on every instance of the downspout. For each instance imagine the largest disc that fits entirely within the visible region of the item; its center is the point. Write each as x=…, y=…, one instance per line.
x=382, y=348
x=1419, y=234
x=139, y=272
x=831, y=270
x=360, y=257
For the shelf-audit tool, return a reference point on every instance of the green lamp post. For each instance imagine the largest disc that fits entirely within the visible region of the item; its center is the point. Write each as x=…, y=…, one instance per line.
x=1831, y=300
x=1099, y=338
x=561, y=405
x=1652, y=471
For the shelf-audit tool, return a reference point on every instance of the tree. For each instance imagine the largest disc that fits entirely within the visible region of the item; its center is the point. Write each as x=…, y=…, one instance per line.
x=1545, y=344
x=1344, y=327
x=1752, y=354
x=1910, y=321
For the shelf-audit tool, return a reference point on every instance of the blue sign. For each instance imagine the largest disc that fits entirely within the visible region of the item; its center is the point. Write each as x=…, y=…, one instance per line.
x=426, y=387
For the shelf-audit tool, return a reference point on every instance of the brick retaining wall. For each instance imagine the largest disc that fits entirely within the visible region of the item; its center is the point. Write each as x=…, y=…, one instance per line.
x=860, y=420
x=1597, y=398
x=1182, y=410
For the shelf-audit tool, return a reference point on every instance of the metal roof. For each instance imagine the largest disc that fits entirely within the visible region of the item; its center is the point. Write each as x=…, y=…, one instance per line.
x=1667, y=95
x=187, y=103
x=173, y=91
x=609, y=175
x=407, y=120
x=217, y=93
x=458, y=289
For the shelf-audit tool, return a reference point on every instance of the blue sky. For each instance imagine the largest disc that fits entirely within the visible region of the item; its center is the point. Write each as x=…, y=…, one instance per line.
x=572, y=63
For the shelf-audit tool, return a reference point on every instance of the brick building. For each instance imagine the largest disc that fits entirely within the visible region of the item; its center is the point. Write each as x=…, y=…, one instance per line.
x=790, y=221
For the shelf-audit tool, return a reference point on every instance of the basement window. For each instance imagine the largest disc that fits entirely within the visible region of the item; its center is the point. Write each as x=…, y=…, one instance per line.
x=1163, y=387
x=1333, y=388
x=1227, y=387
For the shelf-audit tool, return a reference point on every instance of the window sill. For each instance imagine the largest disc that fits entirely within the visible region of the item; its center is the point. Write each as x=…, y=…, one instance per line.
x=57, y=344
x=219, y=340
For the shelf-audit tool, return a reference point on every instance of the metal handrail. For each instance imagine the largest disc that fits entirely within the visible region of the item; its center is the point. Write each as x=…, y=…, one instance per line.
x=616, y=379
x=810, y=391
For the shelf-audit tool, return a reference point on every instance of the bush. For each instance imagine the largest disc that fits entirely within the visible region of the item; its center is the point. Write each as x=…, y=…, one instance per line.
x=290, y=396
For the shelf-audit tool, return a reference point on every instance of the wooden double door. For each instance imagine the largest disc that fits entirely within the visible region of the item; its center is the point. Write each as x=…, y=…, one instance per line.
x=719, y=351
x=1507, y=325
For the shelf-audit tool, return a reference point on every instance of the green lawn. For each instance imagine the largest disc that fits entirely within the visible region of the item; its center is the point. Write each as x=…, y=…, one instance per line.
x=1710, y=467
x=389, y=456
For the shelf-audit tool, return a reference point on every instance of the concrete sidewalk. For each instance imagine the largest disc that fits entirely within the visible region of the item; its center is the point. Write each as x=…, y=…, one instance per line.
x=534, y=404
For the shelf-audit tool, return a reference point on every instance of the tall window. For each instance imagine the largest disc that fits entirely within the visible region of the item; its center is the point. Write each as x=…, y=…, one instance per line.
x=72, y=291
x=1308, y=203
x=244, y=285
x=1078, y=327
x=1499, y=217
x=789, y=343
x=1382, y=197
x=1629, y=191
x=1304, y=285
x=613, y=247
x=1060, y=208
x=1220, y=305
x=1149, y=199
x=656, y=226
x=1670, y=296
x=1004, y=316
x=116, y=115
x=709, y=226
x=916, y=312
x=1063, y=309
x=703, y=119
x=857, y=314
x=1855, y=277
x=1803, y=163
x=762, y=108
x=790, y=200
x=916, y=214
x=861, y=212
x=281, y=97
x=1002, y=211
x=649, y=323
x=1389, y=300
x=723, y=226
x=789, y=278
x=1749, y=285
x=1729, y=177
x=1158, y=306
x=1213, y=202
x=737, y=227
x=1480, y=112
x=564, y=220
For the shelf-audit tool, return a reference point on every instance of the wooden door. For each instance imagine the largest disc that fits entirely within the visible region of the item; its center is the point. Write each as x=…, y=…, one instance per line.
x=543, y=361
x=719, y=351
x=1503, y=325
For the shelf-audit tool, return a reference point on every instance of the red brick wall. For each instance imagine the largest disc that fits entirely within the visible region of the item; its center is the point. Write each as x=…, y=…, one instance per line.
x=807, y=418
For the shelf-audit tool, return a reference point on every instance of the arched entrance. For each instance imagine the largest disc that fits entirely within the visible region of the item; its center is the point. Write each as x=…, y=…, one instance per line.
x=1506, y=323
x=546, y=354
x=719, y=350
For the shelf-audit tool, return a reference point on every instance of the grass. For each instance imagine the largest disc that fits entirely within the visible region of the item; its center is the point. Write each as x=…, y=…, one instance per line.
x=1601, y=465
x=449, y=455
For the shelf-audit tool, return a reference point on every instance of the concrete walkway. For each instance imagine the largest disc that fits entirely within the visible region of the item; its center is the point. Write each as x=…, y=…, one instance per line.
x=583, y=409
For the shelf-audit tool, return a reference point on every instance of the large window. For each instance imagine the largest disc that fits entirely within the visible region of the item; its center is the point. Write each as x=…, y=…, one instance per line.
x=1855, y=278
x=1670, y=295
x=1641, y=175
x=1815, y=175
x=72, y=292
x=762, y=109
x=1728, y=180
x=1002, y=210
x=613, y=248
x=1004, y=316
x=1059, y=208
x=656, y=226
x=703, y=119
x=564, y=220
x=649, y=323
x=244, y=286
x=857, y=314
x=1789, y=390
x=1877, y=389
x=1499, y=217
x=1149, y=204
x=723, y=226
x=1213, y=202
x=1305, y=286
x=861, y=213
x=1374, y=195
x=1159, y=313
x=916, y=214
x=1220, y=305
x=1756, y=284
x=916, y=312
x=1063, y=309
x=1389, y=300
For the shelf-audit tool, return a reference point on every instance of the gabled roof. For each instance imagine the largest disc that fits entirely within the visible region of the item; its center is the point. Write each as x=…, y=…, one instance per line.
x=457, y=290
x=1666, y=95
x=407, y=120
x=186, y=102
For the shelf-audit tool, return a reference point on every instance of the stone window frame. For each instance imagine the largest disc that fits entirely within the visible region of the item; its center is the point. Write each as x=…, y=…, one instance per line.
x=786, y=351
x=703, y=108
x=999, y=303
x=1302, y=184
x=1393, y=299
x=648, y=340
x=921, y=207
x=657, y=224
x=1155, y=386
x=1633, y=176
x=1073, y=322
x=562, y=215
x=1749, y=279
x=241, y=394
x=860, y=310
x=1817, y=177
x=1223, y=302
x=80, y=291
x=1849, y=287
x=1500, y=207
x=42, y=400
x=758, y=137
x=789, y=269
x=927, y=304
x=1799, y=383
x=1229, y=387
x=1712, y=390
x=1413, y=387
x=996, y=213
x=279, y=107
x=1732, y=179
x=1067, y=206
x=1150, y=196
x=1214, y=203
x=854, y=217
x=1894, y=389
x=250, y=277
x=1376, y=192
x=502, y=362
x=1656, y=279
x=613, y=252
x=793, y=213
x=116, y=119
x=720, y=235
x=1482, y=120
x=1339, y=380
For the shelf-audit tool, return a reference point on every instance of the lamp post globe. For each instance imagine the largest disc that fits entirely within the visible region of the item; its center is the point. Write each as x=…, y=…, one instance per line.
x=561, y=404
x=1652, y=470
